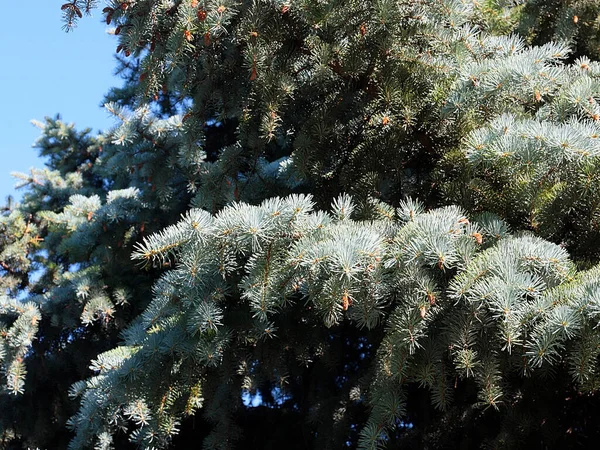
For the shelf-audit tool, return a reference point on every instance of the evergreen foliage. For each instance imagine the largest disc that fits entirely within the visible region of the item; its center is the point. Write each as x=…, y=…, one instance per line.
x=379, y=217
x=575, y=21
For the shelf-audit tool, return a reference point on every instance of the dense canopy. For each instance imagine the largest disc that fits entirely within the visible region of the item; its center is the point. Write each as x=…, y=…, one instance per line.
x=317, y=224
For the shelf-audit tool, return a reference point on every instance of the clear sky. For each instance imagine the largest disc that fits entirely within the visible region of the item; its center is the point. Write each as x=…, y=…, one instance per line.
x=45, y=71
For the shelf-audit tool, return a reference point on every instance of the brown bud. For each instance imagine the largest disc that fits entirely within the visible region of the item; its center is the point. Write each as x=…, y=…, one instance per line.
x=431, y=298
x=346, y=301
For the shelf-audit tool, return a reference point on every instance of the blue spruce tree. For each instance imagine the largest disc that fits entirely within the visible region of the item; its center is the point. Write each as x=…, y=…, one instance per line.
x=378, y=219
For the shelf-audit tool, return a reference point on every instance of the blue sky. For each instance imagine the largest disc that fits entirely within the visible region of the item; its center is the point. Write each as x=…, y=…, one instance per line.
x=44, y=71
